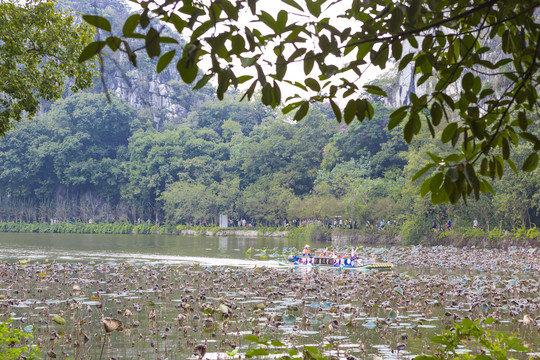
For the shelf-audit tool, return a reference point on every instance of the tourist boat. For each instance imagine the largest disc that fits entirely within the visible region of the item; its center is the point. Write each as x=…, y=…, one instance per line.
x=323, y=261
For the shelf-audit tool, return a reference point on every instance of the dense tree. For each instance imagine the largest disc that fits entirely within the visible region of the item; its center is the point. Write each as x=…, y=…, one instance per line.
x=88, y=158
x=445, y=44
x=39, y=47
x=95, y=140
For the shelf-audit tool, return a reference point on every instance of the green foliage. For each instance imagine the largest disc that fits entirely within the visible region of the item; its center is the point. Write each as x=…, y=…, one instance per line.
x=14, y=343
x=492, y=345
x=39, y=52
x=310, y=232
x=488, y=344
x=450, y=62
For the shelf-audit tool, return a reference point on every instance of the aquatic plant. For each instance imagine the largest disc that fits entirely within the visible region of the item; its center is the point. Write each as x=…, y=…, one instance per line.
x=167, y=309
x=14, y=344
x=491, y=344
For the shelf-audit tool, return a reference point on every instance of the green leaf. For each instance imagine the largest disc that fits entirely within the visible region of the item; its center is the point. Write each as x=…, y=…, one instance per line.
x=113, y=42
x=314, y=7
x=505, y=148
x=414, y=10
x=522, y=120
x=252, y=6
x=512, y=166
x=164, y=60
x=336, y=110
x=98, y=21
x=531, y=162
x=363, y=50
x=408, y=130
x=230, y=9
x=436, y=113
x=282, y=20
x=488, y=187
x=242, y=79
x=470, y=175
x=131, y=24
x=422, y=171
x=396, y=20
x=177, y=21
x=448, y=132
x=247, y=62
x=152, y=43
x=309, y=61
x=203, y=81
x=436, y=182
x=59, y=320
x=268, y=20
x=397, y=117
x=238, y=44
x=91, y=50
x=187, y=72
x=424, y=188
x=277, y=343
x=370, y=112
x=311, y=349
x=350, y=111
x=281, y=67
x=256, y=352
x=302, y=111
x=267, y=97
x=144, y=20
x=325, y=44
x=375, y=90
x=292, y=3
x=252, y=338
x=453, y=174
x=293, y=352
x=397, y=49
x=361, y=109
x=467, y=81
x=405, y=61
x=380, y=57
x=313, y=84
x=260, y=74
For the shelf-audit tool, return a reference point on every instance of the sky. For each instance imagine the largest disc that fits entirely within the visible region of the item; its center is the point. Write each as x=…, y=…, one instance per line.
x=295, y=71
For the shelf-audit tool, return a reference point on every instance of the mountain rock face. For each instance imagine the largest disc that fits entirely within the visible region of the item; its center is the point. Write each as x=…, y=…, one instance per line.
x=154, y=94
x=141, y=87
x=403, y=83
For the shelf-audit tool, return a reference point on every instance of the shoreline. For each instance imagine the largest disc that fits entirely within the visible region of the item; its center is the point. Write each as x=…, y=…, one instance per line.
x=458, y=237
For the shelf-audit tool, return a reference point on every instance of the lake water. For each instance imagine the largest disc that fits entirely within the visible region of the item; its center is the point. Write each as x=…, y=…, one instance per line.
x=152, y=248
x=168, y=305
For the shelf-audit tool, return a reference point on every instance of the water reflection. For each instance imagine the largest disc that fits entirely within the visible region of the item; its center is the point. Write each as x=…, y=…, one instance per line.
x=223, y=242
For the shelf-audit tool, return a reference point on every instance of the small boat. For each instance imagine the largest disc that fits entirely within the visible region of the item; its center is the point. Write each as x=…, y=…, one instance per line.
x=328, y=262
x=378, y=266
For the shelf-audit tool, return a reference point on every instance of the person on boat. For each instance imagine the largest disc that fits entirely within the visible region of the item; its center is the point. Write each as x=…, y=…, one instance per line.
x=336, y=262
x=306, y=251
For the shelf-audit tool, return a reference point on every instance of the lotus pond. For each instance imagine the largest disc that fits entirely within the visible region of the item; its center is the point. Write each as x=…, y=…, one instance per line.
x=175, y=297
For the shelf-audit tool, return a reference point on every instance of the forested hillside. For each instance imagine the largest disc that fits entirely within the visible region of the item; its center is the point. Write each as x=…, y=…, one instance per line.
x=185, y=158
